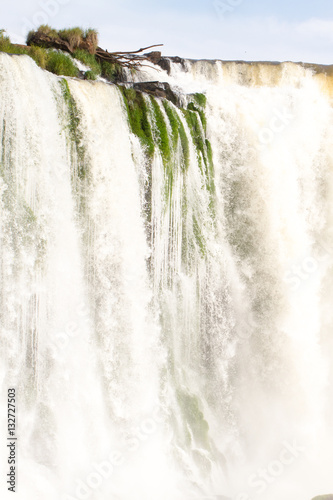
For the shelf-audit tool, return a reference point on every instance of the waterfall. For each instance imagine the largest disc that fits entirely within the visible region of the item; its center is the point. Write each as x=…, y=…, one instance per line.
x=166, y=283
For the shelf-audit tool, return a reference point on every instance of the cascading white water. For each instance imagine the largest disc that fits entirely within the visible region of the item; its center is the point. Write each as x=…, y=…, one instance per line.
x=166, y=321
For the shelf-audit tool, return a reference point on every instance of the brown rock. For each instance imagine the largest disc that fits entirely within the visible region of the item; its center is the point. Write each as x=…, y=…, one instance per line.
x=158, y=89
x=154, y=56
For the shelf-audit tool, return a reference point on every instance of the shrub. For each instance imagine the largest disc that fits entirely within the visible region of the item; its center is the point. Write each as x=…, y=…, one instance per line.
x=39, y=55
x=90, y=75
x=88, y=60
x=112, y=72
x=91, y=36
x=61, y=64
x=44, y=29
x=73, y=36
x=4, y=41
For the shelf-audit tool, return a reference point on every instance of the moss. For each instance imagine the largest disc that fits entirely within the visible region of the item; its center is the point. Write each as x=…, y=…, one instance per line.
x=196, y=121
x=75, y=133
x=195, y=129
x=137, y=112
x=200, y=99
x=191, y=106
x=178, y=132
x=162, y=131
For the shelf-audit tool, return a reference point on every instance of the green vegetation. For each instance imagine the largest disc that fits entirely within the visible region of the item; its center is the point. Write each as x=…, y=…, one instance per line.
x=75, y=37
x=195, y=126
x=90, y=75
x=60, y=64
x=4, y=41
x=162, y=132
x=44, y=29
x=178, y=132
x=196, y=120
x=112, y=72
x=191, y=107
x=83, y=43
x=137, y=112
x=75, y=133
x=150, y=124
x=91, y=37
x=200, y=99
x=56, y=62
x=89, y=60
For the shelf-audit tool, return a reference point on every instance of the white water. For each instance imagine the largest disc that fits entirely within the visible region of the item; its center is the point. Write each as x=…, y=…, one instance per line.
x=185, y=370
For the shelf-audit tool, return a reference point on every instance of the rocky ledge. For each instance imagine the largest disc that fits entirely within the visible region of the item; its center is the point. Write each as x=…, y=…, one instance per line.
x=158, y=89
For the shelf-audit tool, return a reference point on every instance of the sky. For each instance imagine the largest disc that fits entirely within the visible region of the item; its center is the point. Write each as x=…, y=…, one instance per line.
x=252, y=30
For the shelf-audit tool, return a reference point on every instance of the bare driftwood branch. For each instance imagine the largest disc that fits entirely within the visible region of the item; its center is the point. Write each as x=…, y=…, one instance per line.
x=132, y=60
x=137, y=51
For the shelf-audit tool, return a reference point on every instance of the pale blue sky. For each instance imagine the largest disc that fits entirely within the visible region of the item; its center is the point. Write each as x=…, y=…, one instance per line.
x=224, y=29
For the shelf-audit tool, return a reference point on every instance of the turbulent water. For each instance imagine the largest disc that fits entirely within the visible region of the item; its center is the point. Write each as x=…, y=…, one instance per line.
x=166, y=318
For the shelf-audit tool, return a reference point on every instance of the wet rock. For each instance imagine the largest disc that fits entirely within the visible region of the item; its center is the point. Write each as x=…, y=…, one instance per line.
x=164, y=62
x=154, y=56
x=158, y=89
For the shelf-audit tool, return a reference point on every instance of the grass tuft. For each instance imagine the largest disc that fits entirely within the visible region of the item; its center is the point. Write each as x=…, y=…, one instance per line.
x=88, y=60
x=61, y=64
x=73, y=36
x=112, y=72
x=91, y=37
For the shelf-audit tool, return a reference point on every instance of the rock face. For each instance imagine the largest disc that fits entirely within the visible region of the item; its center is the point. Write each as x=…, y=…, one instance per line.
x=164, y=62
x=158, y=89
